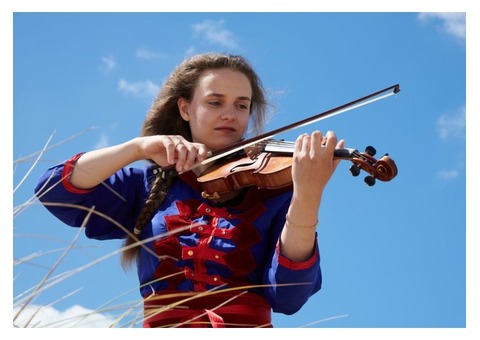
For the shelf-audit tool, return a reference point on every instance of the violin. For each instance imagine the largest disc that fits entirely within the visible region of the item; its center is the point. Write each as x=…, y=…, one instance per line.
x=268, y=165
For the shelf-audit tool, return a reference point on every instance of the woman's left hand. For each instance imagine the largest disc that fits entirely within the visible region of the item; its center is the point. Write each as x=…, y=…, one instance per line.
x=313, y=164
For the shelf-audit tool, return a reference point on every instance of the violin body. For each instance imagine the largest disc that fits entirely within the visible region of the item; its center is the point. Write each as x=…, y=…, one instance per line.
x=267, y=170
x=273, y=170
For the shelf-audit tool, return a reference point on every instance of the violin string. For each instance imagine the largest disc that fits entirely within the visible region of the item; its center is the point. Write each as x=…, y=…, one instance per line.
x=278, y=145
x=289, y=145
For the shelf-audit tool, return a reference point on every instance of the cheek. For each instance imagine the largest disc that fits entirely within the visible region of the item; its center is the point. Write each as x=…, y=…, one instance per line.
x=200, y=120
x=198, y=125
x=244, y=119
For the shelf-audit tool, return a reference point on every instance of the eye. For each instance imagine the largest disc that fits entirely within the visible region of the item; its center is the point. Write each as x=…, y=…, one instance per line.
x=215, y=103
x=242, y=106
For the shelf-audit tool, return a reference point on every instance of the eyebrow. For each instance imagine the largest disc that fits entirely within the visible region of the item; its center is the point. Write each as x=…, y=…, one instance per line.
x=219, y=95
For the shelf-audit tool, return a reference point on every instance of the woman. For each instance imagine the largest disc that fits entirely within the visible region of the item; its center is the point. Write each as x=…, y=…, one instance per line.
x=227, y=261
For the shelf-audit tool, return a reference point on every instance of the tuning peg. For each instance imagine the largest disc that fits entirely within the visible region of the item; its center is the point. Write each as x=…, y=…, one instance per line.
x=354, y=170
x=370, y=150
x=370, y=181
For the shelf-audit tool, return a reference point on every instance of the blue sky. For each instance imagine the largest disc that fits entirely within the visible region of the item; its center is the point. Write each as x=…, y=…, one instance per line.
x=393, y=255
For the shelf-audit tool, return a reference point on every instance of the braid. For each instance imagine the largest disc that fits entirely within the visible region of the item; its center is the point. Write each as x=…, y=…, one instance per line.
x=157, y=195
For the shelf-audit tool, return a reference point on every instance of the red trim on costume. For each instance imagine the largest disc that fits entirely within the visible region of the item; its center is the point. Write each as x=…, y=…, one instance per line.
x=168, y=246
x=205, y=209
x=200, y=279
x=239, y=260
x=287, y=263
x=210, y=255
x=67, y=172
x=169, y=272
x=245, y=234
x=212, y=310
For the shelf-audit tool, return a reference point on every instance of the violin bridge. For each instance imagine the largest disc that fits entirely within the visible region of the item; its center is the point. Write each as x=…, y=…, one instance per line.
x=253, y=151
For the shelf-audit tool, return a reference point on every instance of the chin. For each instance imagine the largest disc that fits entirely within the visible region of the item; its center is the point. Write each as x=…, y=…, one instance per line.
x=221, y=143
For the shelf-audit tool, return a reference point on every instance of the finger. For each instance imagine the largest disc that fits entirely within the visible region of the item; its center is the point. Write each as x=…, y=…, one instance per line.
x=299, y=143
x=181, y=156
x=190, y=156
x=170, y=144
x=182, y=150
x=317, y=141
x=331, y=141
x=306, y=141
x=201, y=152
x=340, y=145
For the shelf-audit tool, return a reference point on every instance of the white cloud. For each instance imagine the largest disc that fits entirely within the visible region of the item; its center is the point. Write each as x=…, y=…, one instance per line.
x=143, y=53
x=145, y=88
x=191, y=51
x=452, y=23
x=214, y=33
x=447, y=175
x=102, y=142
x=108, y=64
x=452, y=125
x=75, y=316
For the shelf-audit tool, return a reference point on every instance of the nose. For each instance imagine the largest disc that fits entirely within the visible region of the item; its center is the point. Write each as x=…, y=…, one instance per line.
x=229, y=114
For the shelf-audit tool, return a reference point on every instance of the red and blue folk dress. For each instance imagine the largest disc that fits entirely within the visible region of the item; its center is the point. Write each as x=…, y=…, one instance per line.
x=204, y=264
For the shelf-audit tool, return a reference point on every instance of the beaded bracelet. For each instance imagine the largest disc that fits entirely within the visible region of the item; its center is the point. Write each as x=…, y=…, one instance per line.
x=298, y=225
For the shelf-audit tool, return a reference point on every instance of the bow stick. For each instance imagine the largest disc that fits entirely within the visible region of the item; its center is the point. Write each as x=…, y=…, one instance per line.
x=223, y=152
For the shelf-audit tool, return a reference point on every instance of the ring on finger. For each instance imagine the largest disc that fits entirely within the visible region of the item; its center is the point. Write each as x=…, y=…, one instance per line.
x=324, y=141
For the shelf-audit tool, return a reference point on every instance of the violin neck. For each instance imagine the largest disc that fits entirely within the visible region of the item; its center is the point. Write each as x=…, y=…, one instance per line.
x=346, y=153
x=288, y=147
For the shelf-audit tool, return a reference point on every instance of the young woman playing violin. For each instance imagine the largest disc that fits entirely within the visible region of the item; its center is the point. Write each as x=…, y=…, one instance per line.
x=223, y=262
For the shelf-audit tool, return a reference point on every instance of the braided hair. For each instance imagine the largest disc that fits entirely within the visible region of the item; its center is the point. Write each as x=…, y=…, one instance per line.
x=164, y=118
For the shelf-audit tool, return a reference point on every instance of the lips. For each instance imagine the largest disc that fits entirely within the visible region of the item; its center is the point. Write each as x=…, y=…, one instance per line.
x=225, y=129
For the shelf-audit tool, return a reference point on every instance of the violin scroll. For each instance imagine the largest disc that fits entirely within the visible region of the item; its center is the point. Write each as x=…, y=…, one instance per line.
x=383, y=169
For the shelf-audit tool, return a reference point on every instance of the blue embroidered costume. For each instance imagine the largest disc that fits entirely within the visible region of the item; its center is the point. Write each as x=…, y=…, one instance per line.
x=196, y=246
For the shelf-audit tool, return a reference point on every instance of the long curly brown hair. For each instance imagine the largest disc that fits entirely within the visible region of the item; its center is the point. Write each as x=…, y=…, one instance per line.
x=164, y=118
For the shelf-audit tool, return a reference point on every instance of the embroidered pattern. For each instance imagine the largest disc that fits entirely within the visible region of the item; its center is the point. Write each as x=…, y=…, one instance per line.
x=191, y=252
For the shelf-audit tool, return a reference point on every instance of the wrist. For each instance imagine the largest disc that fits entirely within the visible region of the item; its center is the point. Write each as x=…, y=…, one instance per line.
x=289, y=222
x=133, y=147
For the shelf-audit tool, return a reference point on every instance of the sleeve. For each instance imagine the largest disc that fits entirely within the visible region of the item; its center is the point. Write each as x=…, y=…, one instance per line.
x=292, y=283
x=289, y=283
x=105, y=211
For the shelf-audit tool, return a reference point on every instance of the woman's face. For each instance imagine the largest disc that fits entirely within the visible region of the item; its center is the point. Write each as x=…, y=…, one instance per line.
x=219, y=111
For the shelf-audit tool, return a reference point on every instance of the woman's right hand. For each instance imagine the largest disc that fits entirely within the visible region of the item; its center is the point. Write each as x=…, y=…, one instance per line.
x=171, y=150
x=93, y=167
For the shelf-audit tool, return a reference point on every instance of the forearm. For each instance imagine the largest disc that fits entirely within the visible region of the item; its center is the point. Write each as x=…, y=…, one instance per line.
x=297, y=240
x=93, y=167
x=313, y=165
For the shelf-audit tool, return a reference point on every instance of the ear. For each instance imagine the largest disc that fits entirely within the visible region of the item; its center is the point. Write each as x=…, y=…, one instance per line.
x=183, y=105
